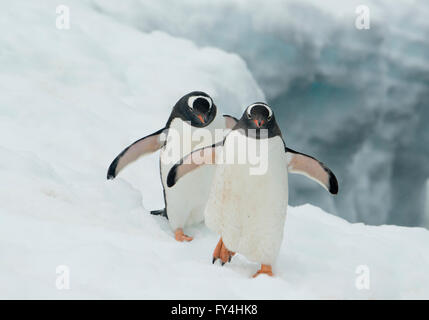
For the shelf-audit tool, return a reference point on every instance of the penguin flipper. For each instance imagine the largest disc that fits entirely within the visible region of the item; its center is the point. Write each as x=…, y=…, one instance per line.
x=192, y=161
x=143, y=146
x=230, y=121
x=161, y=212
x=312, y=168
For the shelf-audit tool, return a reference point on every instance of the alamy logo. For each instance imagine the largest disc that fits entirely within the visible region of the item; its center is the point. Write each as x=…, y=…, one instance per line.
x=63, y=277
x=362, y=281
x=362, y=21
x=63, y=17
x=240, y=149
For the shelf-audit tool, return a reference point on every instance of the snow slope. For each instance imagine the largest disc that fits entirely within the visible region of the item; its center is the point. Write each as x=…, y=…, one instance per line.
x=116, y=250
x=70, y=101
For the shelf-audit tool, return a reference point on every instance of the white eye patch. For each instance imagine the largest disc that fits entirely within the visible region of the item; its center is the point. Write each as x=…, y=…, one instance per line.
x=192, y=99
x=249, y=109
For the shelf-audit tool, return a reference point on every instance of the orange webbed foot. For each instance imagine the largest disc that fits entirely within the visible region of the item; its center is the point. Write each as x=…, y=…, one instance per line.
x=180, y=236
x=222, y=253
x=265, y=269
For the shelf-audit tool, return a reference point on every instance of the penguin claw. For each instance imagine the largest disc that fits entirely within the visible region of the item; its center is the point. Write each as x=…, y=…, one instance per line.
x=180, y=236
x=222, y=253
x=216, y=252
x=265, y=269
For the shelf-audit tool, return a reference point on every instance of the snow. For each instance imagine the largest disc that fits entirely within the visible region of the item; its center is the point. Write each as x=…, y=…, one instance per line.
x=131, y=254
x=426, y=218
x=71, y=100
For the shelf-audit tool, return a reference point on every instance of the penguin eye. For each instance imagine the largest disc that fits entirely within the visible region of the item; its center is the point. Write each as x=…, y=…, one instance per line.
x=270, y=113
x=249, y=112
x=198, y=99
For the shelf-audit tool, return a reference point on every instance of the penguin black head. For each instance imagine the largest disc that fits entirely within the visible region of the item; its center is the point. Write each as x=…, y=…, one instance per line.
x=259, y=116
x=196, y=107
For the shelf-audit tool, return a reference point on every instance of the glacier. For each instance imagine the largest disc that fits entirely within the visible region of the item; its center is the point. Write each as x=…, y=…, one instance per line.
x=356, y=99
x=72, y=98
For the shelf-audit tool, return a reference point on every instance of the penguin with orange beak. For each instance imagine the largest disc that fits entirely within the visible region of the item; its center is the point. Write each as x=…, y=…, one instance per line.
x=247, y=208
x=194, y=115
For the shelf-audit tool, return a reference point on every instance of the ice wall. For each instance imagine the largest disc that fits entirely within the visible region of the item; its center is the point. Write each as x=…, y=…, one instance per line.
x=356, y=99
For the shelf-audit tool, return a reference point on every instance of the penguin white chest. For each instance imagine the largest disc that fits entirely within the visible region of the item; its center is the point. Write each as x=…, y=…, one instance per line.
x=247, y=206
x=186, y=200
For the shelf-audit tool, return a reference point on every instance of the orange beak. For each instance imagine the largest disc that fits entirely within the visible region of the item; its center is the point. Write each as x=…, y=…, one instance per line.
x=201, y=118
x=259, y=124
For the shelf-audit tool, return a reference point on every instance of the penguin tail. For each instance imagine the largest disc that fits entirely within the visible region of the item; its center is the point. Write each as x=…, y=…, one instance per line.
x=161, y=212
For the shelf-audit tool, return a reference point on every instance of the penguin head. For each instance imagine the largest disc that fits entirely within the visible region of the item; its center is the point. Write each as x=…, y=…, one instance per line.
x=196, y=107
x=259, y=116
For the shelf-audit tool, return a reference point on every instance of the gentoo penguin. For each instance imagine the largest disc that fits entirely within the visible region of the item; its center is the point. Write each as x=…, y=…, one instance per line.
x=191, y=125
x=246, y=207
